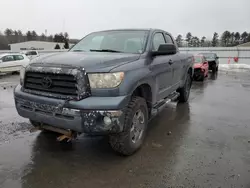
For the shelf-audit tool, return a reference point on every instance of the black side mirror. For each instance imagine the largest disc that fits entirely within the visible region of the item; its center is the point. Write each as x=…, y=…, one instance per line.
x=217, y=57
x=165, y=49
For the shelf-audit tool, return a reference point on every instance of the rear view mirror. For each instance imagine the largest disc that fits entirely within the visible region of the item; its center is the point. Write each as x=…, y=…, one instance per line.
x=165, y=49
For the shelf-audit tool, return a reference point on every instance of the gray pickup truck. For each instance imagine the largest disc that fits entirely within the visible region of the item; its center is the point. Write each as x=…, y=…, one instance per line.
x=110, y=83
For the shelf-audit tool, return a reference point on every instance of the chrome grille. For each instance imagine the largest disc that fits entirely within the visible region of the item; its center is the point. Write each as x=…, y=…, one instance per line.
x=62, y=84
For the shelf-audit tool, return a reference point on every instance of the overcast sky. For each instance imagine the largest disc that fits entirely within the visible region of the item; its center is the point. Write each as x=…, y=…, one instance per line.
x=79, y=17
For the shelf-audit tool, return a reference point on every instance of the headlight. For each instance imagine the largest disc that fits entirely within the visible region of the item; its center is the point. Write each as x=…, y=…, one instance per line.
x=22, y=75
x=105, y=80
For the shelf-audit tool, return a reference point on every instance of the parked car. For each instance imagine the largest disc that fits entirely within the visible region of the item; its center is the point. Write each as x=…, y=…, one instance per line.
x=31, y=54
x=110, y=83
x=12, y=62
x=200, y=67
x=213, y=61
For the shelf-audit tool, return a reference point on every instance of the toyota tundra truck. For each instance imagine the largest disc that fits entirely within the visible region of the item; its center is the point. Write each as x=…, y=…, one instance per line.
x=110, y=83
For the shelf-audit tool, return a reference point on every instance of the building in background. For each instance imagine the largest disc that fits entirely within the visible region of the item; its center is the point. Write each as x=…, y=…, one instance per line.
x=35, y=45
x=247, y=44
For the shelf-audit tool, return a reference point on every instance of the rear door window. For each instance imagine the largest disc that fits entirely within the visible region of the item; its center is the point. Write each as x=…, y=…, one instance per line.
x=18, y=57
x=31, y=53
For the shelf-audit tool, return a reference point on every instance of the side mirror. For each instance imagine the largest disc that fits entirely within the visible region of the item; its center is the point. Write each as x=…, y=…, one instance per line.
x=205, y=63
x=217, y=57
x=165, y=49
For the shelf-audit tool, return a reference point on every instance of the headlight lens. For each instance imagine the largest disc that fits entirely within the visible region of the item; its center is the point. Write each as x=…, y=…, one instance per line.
x=22, y=75
x=105, y=80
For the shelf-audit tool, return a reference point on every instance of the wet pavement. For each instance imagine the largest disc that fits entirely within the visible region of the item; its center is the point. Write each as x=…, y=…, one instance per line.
x=205, y=143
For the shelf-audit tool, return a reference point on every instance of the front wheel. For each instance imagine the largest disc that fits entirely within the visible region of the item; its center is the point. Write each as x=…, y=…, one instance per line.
x=202, y=78
x=135, y=126
x=185, y=90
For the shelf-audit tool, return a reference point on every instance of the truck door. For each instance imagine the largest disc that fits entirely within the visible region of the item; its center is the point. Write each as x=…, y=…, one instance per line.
x=177, y=64
x=161, y=68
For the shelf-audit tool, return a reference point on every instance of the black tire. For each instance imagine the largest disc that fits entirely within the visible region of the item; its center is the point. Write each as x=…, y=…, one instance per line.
x=214, y=69
x=202, y=78
x=185, y=90
x=15, y=73
x=123, y=143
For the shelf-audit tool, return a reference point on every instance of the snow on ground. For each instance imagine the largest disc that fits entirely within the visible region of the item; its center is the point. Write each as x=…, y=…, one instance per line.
x=235, y=67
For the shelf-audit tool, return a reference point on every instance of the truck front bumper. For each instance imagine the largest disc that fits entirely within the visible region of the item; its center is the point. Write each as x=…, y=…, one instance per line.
x=92, y=115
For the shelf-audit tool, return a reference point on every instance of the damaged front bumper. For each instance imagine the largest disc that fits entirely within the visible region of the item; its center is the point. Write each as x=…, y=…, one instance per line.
x=92, y=115
x=199, y=73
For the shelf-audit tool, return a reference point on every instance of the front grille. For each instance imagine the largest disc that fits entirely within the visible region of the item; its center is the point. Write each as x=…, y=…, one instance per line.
x=197, y=70
x=60, y=84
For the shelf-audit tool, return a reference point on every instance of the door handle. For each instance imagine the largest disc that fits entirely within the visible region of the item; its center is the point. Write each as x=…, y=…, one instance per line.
x=170, y=62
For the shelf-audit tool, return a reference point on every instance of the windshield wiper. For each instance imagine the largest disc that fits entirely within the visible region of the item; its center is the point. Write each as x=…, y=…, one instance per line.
x=104, y=50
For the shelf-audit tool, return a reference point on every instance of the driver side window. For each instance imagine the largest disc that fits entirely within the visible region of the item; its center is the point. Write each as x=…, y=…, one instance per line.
x=158, y=39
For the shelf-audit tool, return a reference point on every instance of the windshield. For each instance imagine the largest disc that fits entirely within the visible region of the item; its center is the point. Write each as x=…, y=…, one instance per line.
x=198, y=59
x=209, y=56
x=113, y=41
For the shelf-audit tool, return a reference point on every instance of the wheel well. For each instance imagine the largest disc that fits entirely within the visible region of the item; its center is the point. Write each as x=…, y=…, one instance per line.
x=145, y=92
x=190, y=72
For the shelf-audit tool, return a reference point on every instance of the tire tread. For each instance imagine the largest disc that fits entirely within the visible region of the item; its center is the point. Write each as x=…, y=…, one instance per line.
x=119, y=142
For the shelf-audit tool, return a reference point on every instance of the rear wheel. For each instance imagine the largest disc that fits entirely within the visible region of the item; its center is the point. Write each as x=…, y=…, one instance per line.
x=217, y=68
x=214, y=69
x=185, y=90
x=15, y=72
x=135, y=126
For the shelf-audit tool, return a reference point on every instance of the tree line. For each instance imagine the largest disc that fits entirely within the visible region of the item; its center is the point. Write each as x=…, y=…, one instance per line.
x=10, y=36
x=227, y=39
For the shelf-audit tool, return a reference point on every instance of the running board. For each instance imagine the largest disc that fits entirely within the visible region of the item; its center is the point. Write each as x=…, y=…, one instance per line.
x=163, y=103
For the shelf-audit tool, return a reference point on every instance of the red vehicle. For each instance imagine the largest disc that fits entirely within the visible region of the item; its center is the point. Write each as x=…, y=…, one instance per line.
x=200, y=67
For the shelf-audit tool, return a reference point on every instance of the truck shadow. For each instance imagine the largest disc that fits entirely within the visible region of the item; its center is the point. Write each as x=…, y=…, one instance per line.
x=90, y=161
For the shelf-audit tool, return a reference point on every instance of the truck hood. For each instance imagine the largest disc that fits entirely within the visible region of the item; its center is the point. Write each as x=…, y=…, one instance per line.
x=90, y=61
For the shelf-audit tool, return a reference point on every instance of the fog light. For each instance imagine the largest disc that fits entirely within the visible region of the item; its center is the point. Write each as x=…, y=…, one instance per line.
x=107, y=120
